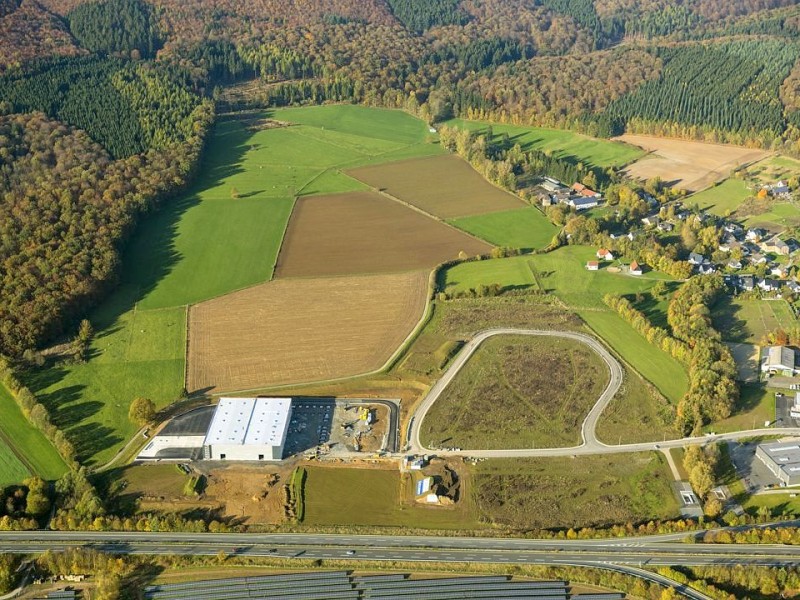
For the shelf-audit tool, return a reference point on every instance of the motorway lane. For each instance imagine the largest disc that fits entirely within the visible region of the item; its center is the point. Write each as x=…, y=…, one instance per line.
x=590, y=443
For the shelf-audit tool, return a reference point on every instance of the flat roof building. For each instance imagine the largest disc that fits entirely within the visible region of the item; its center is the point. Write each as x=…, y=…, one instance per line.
x=782, y=459
x=248, y=429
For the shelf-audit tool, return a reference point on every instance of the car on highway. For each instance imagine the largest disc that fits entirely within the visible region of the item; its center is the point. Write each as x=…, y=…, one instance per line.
x=350, y=552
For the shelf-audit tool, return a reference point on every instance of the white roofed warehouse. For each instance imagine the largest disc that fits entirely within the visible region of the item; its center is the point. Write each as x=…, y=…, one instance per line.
x=783, y=459
x=248, y=429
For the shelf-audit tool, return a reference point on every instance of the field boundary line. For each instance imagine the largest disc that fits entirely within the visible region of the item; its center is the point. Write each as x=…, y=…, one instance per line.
x=187, y=320
x=5, y=438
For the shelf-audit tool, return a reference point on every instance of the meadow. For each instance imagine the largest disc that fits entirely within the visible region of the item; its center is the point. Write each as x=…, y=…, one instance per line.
x=374, y=497
x=781, y=215
x=445, y=186
x=11, y=468
x=26, y=445
x=584, y=492
x=222, y=235
x=721, y=199
x=365, y=232
x=518, y=392
x=561, y=143
x=525, y=228
x=774, y=168
x=562, y=273
x=748, y=321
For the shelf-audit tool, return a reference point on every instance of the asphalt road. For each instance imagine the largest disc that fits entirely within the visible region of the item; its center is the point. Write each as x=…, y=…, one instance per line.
x=590, y=444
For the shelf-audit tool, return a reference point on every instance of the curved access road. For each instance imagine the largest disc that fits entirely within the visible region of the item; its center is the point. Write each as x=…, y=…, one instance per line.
x=590, y=444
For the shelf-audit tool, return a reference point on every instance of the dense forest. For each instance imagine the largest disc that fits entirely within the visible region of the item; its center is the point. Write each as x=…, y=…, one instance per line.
x=125, y=86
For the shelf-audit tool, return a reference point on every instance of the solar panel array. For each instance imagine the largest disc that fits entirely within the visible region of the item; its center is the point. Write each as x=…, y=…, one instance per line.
x=341, y=585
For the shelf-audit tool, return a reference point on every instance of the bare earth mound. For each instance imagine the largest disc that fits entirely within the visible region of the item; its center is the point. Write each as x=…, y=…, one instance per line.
x=445, y=186
x=685, y=164
x=301, y=330
x=364, y=232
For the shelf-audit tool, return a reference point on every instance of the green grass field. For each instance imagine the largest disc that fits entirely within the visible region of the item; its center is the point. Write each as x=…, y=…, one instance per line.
x=781, y=215
x=372, y=497
x=224, y=234
x=721, y=199
x=12, y=471
x=774, y=168
x=748, y=321
x=581, y=492
x=562, y=143
x=21, y=439
x=563, y=273
x=526, y=228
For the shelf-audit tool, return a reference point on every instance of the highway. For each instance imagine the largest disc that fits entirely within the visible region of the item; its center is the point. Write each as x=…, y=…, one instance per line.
x=590, y=444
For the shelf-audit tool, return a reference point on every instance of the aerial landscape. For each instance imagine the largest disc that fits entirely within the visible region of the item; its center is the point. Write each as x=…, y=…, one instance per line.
x=400, y=299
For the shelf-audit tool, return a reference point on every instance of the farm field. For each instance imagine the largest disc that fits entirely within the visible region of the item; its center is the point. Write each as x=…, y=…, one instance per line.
x=365, y=232
x=373, y=497
x=518, y=392
x=11, y=468
x=562, y=273
x=585, y=491
x=526, y=228
x=24, y=440
x=301, y=330
x=561, y=143
x=444, y=186
x=748, y=321
x=780, y=216
x=686, y=164
x=223, y=235
x=721, y=199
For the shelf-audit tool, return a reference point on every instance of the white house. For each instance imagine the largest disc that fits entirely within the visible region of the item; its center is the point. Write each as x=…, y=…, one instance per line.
x=696, y=259
x=252, y=429
x=605, y=254
x=592, y=265
x=635, y=268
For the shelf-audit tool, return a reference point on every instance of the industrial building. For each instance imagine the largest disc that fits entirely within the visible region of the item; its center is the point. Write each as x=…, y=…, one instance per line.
x=782, y=459
x=248, y=429
x=779, y=360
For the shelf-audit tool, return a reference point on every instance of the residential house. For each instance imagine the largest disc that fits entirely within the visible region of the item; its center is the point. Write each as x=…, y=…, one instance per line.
x=769, y=285
x=696, y=259
x=605, y=254
x=592, y=265
x=777, y=189
x=706, y=269
x=581, y=203
x=794, y=286
x=748, y=282
x=547, y=200
x=776, y=246
x=734, y=264
x=755, y=235
x=733, y=228
x=781, y=271
x=584, y=191
x=665, y=226
x=635, y=268
x=651, y=221
x=758, y=259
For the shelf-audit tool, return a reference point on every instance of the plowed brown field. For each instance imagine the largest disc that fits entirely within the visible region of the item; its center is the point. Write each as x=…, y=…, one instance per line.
x=686, y=164
x=445, y=186
x=301, y=330
x=365, y=232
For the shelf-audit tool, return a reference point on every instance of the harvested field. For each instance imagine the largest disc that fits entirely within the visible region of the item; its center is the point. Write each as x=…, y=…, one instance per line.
x=364, y=232
x=686, y=164
x=301, y=330
x=444, y=186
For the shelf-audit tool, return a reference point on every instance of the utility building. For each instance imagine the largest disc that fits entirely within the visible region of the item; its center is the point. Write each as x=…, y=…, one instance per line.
x=248, y=429
x=783, y=459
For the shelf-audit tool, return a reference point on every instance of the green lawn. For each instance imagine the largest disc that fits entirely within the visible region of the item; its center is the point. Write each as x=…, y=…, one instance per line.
x=562, y=143
x=27, y=441
x=774, y=168
x=224, y=234
x=372, y=497
x=748, y=321
x=577, y=492
x=12, y=471
x=563, y=273
x=721, y=199
x=781, y=215
x=525, y=228
x=756, y=405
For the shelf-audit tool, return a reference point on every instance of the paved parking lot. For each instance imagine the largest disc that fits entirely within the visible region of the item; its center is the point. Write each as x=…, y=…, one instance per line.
x=783, y=406
x=755, y=474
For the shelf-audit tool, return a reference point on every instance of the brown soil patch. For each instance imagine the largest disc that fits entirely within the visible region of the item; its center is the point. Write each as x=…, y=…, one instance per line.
x=686, y=164
x=301, y=330
x=445, y=186
x=251, y=493
x=364, y=232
